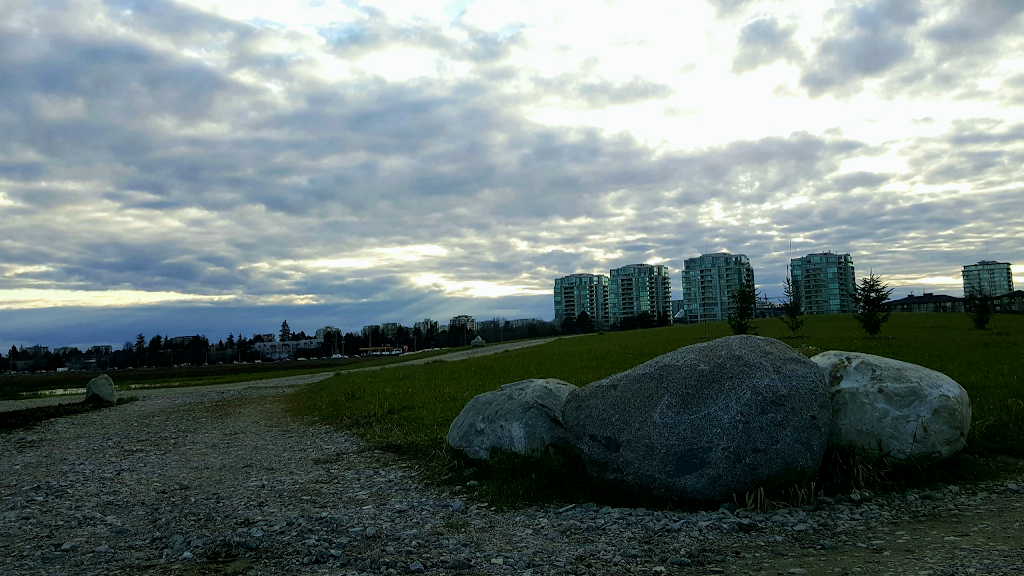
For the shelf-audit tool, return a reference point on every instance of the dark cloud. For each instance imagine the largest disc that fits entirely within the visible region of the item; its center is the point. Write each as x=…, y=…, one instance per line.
x=868, y=39
x=977, y=22
x=763, y=42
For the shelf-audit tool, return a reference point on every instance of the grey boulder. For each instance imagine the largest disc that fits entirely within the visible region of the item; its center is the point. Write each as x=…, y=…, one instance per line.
x=478, y=341
x=523, y=417
x=886, y=407
x=100, y=389
x=705, y=421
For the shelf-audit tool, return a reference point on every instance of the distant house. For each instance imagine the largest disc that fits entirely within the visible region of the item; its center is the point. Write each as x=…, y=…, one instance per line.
x=926, y=302
x=1010, y=303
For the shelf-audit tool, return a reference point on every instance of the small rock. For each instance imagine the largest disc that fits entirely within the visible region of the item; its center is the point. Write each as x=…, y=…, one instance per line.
x=797, y=571
x=100, y=389
x=102, y=549
x=67, y=546
x=187, y=555
x=416, y=568
x=1012, y=488
x=472, y=484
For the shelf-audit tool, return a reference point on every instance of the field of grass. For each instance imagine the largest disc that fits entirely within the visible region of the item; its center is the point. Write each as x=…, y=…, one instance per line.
x=409, y=409
x=15, y=387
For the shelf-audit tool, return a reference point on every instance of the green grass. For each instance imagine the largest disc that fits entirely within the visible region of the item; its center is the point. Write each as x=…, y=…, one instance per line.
x=13, y=420
x=408, y=409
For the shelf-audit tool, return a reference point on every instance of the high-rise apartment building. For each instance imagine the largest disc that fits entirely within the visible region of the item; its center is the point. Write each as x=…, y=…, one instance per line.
x=988, y=278
x=578, y=293
x=637, y=289
x=824, y=283
x=707, y=281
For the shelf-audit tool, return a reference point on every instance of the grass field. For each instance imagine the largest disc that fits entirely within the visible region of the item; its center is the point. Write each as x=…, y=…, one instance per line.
x=408, y=409
x=15, y=387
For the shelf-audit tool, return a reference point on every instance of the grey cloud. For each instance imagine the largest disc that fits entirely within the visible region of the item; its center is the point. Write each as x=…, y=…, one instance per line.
x=869, y=39
x=853, y=180
x=763, y=42
x=600, y=92
x=977, y=21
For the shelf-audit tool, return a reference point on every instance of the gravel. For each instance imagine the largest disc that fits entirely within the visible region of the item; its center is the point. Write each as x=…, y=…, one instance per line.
x=220, y=480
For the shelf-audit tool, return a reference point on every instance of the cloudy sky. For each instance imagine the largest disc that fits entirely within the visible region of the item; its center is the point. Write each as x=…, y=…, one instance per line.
x=217, y=166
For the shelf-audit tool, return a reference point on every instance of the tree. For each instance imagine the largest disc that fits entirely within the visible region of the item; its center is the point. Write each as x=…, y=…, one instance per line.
x=286, y=332
x=743, y=300
x=584, y=323
x=569, y=325
x=140, y=344
x=792, y=308
x=868, y=297
x=979, y=308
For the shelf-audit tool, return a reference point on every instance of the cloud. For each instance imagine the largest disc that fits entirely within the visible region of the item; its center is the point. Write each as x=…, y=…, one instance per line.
x=762, y=42
x=866, y=41
x=158, y=153
x=975, y=22
x=724, y=8
x=585, y=89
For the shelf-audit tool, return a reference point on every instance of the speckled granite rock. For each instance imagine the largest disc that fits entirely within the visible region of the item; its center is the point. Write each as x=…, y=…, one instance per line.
x=705, y=421
x=902, y=410
x=100, y=389
x=523, y=417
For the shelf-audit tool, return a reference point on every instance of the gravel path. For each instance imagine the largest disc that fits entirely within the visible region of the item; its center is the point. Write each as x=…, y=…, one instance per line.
x=219, y=480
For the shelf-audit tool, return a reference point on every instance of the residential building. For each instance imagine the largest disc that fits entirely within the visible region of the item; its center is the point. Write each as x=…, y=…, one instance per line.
x=824, y=283
x=519, y=322
x=637, y=289
x=463, y=320
x=389, y=329
x=708, y=281
x=282, y=350
x=321, y=332
x=102, y=350
x=426, y=325
x=368, y=329
x=1010, y=303
x=926, y=302
x=578, y=293
x=36, y=350
x=988, y=278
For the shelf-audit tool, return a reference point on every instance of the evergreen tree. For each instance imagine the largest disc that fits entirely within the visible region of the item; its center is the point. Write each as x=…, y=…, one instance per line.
x=743, y=300
x=979, y=308
x=569, y=325
x=584, y=323
x=792, y=308
x=286, y=332
x=868, y=297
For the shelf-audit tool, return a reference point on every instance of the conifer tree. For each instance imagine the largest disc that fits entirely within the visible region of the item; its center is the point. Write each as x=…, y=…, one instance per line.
x=868, y=297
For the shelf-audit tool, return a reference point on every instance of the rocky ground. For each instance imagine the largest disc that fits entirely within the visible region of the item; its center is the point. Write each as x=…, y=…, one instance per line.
x=219, y=480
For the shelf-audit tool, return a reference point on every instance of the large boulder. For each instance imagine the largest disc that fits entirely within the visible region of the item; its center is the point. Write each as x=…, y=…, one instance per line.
x=886, y=407
x=705, y=421
x=478, y=341
x=100, y=389
x=523, y=417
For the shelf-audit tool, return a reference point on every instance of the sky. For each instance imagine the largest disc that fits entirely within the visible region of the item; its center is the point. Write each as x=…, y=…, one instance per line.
x=216, y=166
